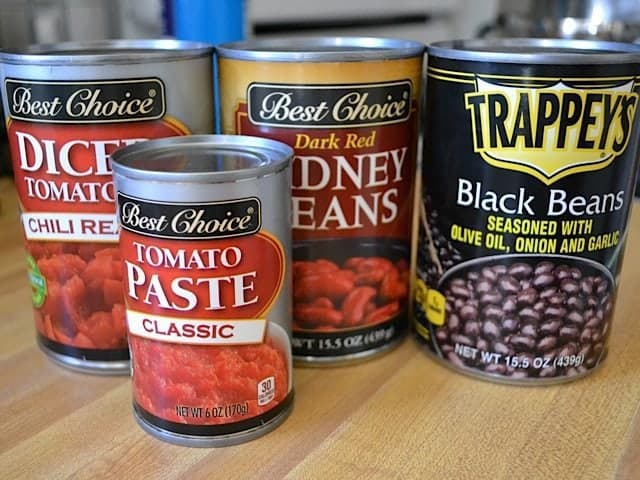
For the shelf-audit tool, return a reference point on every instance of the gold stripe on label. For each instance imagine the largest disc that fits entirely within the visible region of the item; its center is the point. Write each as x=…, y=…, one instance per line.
x=451, y=79
x=547, y=85
x=518, y=77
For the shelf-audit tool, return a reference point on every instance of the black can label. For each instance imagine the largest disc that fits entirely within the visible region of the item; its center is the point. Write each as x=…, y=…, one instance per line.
x=528, y=181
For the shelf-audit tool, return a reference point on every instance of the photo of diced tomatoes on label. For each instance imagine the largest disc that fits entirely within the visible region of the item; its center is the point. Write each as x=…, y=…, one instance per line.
x=83, y=303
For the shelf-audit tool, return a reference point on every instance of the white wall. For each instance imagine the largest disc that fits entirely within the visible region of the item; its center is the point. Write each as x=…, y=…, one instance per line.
x=451, y=18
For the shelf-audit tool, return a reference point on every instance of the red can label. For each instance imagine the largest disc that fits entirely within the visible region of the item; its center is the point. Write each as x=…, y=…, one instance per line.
x=200, y=280
x=61, y=134
x=352, y=187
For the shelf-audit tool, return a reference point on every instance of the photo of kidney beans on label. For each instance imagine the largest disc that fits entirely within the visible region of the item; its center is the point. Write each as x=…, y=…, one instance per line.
x=363, y=291
x=84, y=303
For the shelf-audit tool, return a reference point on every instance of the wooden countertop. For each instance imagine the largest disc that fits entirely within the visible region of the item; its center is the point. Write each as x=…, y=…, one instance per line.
x=401, y=416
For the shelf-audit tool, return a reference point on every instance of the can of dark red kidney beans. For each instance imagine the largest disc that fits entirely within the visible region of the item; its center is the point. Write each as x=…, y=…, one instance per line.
x=206, y=243
x=349, y=108
x=530, y=155
x=67, y=107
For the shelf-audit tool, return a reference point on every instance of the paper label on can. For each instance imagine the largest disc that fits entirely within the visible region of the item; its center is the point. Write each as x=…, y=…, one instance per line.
x=354, y=136
x=61, y=135
x=65, y=169
x=200, y=281
x=528, y=179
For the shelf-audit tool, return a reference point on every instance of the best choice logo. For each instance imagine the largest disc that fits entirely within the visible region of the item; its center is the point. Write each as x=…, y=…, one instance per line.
x=321, y=106
x=551, y=132
x=85, y=102
x=190, y=221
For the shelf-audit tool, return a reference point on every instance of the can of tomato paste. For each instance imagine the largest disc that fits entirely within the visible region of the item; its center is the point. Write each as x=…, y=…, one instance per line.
x=349, y=108
x=206, y=245
x=67, y=107
x=530, y=154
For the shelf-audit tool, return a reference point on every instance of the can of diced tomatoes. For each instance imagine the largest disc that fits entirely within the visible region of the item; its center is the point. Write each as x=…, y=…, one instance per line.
x=206, y=245
x=349, y=108
x=530, y=158
x=68, y=107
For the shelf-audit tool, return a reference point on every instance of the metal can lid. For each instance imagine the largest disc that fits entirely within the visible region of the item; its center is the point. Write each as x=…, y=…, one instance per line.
x=202, y=159
x=321, y=49
x=537, y=50
x=106, y=52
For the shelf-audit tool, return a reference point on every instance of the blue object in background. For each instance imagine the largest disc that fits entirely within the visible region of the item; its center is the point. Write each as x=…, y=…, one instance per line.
x=211, y=21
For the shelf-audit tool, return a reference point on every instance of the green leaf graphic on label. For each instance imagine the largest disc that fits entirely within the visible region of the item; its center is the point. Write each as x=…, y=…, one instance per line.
x=38, y=283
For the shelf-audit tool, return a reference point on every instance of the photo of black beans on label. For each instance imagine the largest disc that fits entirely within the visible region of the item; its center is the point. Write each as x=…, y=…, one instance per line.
x=436, y=253
x=518, y=317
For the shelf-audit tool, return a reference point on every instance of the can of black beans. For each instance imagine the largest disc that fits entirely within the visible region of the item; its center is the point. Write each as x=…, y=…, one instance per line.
x=205, y=245
x=529, y=164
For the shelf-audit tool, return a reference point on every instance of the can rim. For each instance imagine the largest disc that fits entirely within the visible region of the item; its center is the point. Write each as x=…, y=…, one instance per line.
x=273, y=156
x=537, y=50
x=106, y=51
x=321, y=49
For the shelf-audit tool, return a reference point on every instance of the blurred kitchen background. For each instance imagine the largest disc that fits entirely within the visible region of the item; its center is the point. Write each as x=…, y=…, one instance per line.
x=23, y=22
x=28, y=21
x=44, y=21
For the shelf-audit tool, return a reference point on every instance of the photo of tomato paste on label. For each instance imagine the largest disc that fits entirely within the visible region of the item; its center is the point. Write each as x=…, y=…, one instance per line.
x=349, y=109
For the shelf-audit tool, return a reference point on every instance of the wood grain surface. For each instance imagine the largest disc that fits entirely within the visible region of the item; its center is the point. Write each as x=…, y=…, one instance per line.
x=401, y=416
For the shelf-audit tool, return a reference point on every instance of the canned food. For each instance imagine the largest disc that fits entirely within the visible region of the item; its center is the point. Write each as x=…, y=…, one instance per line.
x=206, y=245
x=529, y=164
x=68, y=107
x=349, y=108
